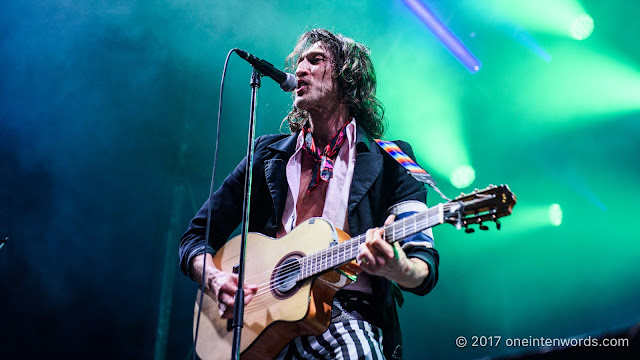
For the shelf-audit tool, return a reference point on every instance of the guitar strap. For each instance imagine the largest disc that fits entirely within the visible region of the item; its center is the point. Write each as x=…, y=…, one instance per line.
x=412, y=168
x=419, y=174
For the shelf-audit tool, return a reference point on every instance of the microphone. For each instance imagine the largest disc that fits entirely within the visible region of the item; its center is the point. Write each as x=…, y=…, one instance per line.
x=287, y=81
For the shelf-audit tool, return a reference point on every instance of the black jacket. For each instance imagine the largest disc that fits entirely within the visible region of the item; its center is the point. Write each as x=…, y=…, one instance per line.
x=378, y=183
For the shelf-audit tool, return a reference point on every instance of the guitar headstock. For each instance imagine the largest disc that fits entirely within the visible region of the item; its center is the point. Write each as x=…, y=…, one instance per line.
x=480, y=206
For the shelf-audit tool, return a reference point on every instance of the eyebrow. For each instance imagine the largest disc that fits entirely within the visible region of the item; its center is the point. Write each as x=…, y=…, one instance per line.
x=308, y=53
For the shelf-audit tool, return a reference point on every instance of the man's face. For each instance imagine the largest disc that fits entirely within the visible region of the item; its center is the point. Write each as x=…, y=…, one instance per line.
x=317, y=89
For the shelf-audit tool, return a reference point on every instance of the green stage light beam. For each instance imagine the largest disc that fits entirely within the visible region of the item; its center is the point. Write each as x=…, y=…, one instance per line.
x=422, y=99
x=579, y=83
x=432, y=125
x=535, y=216
x=558, y=17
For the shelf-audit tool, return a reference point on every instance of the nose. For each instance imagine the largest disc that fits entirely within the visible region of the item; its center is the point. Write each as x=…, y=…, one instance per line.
x=303, y=68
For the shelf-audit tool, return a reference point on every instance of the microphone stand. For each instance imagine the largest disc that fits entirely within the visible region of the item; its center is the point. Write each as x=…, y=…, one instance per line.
x=238, y=309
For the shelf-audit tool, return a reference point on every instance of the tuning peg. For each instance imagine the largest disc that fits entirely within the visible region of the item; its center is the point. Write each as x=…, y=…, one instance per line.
x=469, y=230
x=479, y=221
x=498, y=224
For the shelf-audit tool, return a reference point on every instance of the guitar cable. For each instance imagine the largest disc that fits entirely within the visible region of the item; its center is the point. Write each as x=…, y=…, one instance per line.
x=208, y=226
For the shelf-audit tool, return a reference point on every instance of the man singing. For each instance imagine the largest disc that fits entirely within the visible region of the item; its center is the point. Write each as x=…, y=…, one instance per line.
x=329, y=167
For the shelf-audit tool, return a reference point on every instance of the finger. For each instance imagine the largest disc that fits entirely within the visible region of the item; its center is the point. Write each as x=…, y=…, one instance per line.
x=378, y=246
x=370, y=234
x=390, y=219
x=247, y=299
x=381, y=248
x=223, y=307
x=367, y=260
x=227, y=292
x=374, y=235
x=227, y=299
x=250, y=291
x=250, y=288
x=361, y=258
x=363, y=253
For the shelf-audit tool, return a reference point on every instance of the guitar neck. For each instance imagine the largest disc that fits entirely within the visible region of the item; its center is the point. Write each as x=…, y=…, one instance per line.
x=347, y=251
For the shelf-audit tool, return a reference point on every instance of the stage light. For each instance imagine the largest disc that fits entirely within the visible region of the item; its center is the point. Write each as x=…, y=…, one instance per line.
x=463, y=176
x=557, y=17
x=581, y=27
x=555, y=214
x=533, y=217
x=455, y=46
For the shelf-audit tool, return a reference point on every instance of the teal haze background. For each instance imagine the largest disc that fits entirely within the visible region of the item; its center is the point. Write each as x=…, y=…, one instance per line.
x=107, y=128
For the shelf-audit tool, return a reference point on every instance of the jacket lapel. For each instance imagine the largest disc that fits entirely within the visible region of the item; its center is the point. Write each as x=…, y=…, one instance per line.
x=367, y=168
x=275, y=172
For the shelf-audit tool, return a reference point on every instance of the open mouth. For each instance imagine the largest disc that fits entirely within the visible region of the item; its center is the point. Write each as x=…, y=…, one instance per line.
x=302, y=84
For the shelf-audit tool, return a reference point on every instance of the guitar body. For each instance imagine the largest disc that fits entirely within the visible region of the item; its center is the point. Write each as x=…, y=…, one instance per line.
x=281, y=310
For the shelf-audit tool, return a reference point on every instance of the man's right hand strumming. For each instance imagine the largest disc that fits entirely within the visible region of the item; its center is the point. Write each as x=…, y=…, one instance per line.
x=223, y=285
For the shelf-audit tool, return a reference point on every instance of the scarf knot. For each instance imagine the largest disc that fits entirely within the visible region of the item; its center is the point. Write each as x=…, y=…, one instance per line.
x=324, y=159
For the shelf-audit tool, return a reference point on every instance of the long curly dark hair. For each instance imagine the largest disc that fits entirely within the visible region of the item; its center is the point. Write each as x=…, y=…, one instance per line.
x=355, y=76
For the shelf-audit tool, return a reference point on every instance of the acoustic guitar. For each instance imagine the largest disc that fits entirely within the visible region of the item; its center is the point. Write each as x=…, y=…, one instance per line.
x=298, y=275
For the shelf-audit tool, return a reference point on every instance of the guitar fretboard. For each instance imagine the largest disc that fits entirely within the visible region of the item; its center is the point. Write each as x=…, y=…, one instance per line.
x=346, y=251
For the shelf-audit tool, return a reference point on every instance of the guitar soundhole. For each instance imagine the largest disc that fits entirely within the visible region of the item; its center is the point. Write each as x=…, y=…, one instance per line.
x=284, y=279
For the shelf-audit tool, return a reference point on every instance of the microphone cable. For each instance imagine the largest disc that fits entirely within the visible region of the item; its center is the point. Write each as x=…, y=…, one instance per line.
x=208, y=227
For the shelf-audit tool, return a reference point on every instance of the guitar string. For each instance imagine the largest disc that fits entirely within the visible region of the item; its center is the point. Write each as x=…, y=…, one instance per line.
x=321, y=259
x=325, y=254
x=351, y=249
x=386, y=227
x=353, y=252
x=426, y=221
x=318, y=255
x=278, y=283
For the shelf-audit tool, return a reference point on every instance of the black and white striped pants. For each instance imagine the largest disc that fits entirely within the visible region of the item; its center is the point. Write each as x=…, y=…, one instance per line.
x=353, y=339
